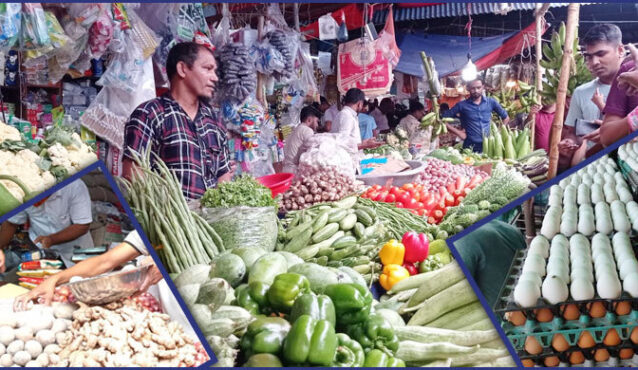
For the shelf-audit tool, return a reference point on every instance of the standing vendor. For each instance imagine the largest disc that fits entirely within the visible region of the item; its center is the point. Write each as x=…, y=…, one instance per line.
x=475, y=114
x=347, y=122
x=295, y=143
x=180, y=127
x=59, y=223
x=412, y=125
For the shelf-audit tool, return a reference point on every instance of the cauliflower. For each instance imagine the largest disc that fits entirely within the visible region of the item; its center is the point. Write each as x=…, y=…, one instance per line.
x=22, y=165
x=73, y=159
x=9, y=133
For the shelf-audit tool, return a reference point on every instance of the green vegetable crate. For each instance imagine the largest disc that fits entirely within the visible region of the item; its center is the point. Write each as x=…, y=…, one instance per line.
x=505, y=303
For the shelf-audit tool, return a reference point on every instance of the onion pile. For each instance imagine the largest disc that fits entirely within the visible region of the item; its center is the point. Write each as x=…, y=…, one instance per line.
x=315, y=185
x=439, y=173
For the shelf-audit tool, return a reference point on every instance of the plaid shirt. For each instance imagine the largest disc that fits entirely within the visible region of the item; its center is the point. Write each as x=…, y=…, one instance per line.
x=196, y=151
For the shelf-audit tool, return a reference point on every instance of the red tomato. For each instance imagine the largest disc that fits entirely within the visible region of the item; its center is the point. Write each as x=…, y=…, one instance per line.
x=424, y=196
x=404, y=197
x=372, y=195
x=415, y=212
x=395, y=190
x=381, y=196
x=376, y=187
x=390, y=198
x=407, y=186
x=415, y=194
x=399, y=205
x=421, y=212
x=411, y=203
x=430, y=204
x=420, y=205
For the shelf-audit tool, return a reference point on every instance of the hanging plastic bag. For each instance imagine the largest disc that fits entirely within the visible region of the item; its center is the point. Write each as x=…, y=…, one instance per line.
x=10, y=20
x=307, y=78
x=342, y=34
x=221, y=35
x=34, y=27
x=100, y=34
x=244, y=226
x=331, y=151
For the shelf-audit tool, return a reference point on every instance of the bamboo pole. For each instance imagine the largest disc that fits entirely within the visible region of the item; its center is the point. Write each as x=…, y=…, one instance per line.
x=295, y=12
x=261, y=96
x=561, y=95
x=541, y=9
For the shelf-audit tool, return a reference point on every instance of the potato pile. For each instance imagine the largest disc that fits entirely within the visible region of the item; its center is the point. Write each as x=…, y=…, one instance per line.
x=315, y=185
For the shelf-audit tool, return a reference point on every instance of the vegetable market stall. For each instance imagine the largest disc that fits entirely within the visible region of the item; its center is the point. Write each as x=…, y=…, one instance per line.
x=568, y=297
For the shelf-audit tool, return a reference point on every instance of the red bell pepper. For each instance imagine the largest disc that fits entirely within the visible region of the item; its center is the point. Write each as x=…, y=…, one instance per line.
x=411, y=268
x=417, y=247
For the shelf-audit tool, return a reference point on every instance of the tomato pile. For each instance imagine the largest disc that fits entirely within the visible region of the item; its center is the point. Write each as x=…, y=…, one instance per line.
x=416, y=198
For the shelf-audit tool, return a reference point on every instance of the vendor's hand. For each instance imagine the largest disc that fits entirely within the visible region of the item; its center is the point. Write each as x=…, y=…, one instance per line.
x=3, y=267
x=593, y=136
x=628, y=81
x=45, y=290
x=535, y=109
x=597, y=122
x=370, y=143
x=598, y=99
x=153, y=276
x=45, y=241
x=567, y=147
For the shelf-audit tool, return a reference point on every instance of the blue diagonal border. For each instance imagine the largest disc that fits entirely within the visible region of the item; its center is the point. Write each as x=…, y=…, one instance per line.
x=102, y=167
x=468, y=231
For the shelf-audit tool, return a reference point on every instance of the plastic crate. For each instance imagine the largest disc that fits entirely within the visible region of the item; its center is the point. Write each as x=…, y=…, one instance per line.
x=613, y=361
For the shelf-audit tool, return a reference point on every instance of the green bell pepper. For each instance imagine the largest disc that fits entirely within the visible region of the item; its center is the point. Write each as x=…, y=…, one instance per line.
x=319, y=307
x=252, y=297
x=285, y=289
x=265, y=335
x=263, y=360
x=349, y=352
x=376, y=358
x=375, y=332
x=310, y=342
x=352, y=302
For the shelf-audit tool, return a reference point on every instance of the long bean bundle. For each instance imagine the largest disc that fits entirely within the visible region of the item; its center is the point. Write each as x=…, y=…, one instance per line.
x=181, y=237
x=398, y=220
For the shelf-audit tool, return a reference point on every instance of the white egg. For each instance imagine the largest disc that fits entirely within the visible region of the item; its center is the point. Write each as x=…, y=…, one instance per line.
x=531, y=276
x=559, y=251
x=581, y=289
x=630, y=284
x=608, y=286
x=554, y=289
x=604, y=269
x=581, y=273
x=526, y=293
x=535, y=263
x=540, y=245
x=627, y=267
x=596, y=254
x=584, y=265
x=577, y=259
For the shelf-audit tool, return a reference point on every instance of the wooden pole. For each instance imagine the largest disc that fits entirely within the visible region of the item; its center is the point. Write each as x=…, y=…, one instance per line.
x=541, y=9
x=295, y=11
x=261, y=96
x=561, y=95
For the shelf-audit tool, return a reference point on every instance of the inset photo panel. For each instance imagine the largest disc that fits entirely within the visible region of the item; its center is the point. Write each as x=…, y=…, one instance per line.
x=79, y=288
x=561, y=272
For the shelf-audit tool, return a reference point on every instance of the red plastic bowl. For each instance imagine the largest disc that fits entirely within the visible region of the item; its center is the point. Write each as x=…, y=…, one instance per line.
x=277, y=183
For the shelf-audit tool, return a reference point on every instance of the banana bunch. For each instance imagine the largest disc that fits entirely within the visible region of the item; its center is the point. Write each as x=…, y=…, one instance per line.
x=506, y=143
x=552, y=61
x=438, y=123
x=507, y=98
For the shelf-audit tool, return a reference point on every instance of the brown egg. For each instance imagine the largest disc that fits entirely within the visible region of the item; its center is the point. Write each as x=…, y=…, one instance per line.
x=601, y=355
x=571, y=312
x=611, y=338
x=576, y=358
x=528, y=362
x=623, y=308
x=544, y=315
x=552, y=361
x=626, y=353
x=517, y=318
x=597, y=309
x=634, y=335
x=532, y=346
x=586, y=340
x=559, y=343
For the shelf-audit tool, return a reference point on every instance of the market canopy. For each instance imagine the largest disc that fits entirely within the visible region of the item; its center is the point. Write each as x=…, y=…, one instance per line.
x=450, y=52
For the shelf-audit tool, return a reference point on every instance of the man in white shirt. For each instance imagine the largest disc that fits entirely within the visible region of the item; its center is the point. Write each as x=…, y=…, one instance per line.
x=347, y=122
x=59, y=222
x=296, y=142
x=379, y=116
x=603, y=57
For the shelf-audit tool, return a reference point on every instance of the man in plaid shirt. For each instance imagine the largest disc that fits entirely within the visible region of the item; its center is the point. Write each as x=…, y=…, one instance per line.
x=180, y=127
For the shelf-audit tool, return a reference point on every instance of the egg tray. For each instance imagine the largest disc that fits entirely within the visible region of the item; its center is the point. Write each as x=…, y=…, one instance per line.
x=588, y=354
x=505, y=302
x=613, y=361
x=532, y=325
x=571, y=335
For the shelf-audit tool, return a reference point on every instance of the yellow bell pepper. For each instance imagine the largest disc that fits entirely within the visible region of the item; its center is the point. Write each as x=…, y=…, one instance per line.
x=392, y=253
x=392, y=274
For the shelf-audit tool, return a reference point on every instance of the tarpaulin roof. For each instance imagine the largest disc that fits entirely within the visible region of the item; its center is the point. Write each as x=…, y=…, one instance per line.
x=449, y=52
x=450, y=10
